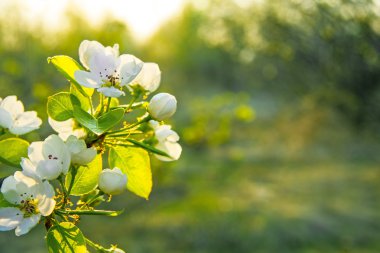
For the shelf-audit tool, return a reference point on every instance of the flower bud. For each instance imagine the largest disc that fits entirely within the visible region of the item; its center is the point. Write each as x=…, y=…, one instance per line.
x=117, y=250
x=162, y=106
x=112, y=181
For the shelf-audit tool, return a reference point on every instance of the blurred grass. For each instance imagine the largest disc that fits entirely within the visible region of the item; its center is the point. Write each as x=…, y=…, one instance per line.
x=213, y=205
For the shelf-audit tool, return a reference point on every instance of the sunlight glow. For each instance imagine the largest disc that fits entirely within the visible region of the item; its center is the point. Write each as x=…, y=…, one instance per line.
x=143, y=16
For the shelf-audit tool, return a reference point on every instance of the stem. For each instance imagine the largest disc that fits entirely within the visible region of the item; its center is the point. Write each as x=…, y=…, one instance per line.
x=90, y=212
x=94, y=245
x=142, y=145
x=61, y=181
x=132, y=101
x=101, y=103
x=74, y=171
x=108, y=104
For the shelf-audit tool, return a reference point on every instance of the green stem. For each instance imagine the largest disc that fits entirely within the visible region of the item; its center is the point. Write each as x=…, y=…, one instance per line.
x=62, y=183
x=136, y=96
x=143, y=145
x=90, y=212
x=101, y=103
x=95, y=245
x=74, y=171
x=108, y=104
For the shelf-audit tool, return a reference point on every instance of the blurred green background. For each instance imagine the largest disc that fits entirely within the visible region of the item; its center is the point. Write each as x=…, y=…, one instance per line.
x=278, y=115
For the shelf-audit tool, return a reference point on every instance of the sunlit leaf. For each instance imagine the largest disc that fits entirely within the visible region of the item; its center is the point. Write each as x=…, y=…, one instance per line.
x=67, y=66
x=11, y=151
x=101, y=124
x=59, y=106
x=66, y=238
x=135, y=163
x=86, y=177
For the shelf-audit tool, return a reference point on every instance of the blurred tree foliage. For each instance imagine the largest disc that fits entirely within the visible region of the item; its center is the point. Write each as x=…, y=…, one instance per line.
x=324, y=51
x=295, y=61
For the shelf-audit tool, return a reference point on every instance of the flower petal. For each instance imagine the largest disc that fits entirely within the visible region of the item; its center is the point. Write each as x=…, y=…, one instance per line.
x=46, y=203
x=10, y=218
x=87, y=79
x=111, y=92
x=55, y=148
x=129, y=67
x=35, y=152
x=6, y=120
x=174, y=150
x=87, y=49
x=25, y=123
x=9, y=190
x=84, y=157
x=12, y=105
x=27, y=224
x=49, y=169
x=149, y=77
x=28, y=168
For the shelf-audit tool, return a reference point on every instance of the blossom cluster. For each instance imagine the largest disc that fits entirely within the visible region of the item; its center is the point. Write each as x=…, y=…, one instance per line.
x=86, y=134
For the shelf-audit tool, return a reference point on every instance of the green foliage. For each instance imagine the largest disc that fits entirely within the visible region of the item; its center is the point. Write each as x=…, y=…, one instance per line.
x=85, y=177
x=59, y=106
x=67, y=66
x=135, y=163
x=65, y=237
x=101, y=124
x=85, y=101
x=11, y=151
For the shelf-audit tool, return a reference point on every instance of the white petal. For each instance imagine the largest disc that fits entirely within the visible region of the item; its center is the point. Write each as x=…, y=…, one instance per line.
x=130, y=66
x=12, y=105
x=54, y=147
x=35, y=152
x=49, y=169
x=10, y=218
x=25, y=123
x=111, y=92
x=84, y=157
x=103, y=64
x=46, y=203
x=62, y=126
x=9, y=190
x=87, y=79
x=174, y=150
x=27, y=224
x=28, y=168
x=149, y=78
x=75, y=145
x=6, y=120
x=87, y=49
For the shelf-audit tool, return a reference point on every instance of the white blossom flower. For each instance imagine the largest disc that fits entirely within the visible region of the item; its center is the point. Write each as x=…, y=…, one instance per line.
x=80, y=154
x=162, y=106
x=149, y=77
x=31, y=198
x=13, y=117
x=167, y=141
x=108, y=71
x=67, y=128
x=112, y=181
x=47, y=159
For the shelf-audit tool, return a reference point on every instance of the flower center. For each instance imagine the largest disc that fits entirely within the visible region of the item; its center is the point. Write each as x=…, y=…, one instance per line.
x=113, y=79
x=28, y=205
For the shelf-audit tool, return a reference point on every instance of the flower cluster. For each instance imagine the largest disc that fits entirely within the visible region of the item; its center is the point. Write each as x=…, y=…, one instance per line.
x=90, y=133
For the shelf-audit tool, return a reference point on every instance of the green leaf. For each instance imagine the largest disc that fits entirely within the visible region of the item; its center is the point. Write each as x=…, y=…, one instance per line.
x=59, y=106
x=11, y=151
x=135, y=163
x=86, y=178
x=101, y=124
x=4, y=203
x=65, y=237
x=84, y=100
x=67, y=66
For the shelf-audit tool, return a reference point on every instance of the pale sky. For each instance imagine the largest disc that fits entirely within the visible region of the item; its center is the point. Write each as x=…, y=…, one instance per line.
x=142, y=16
